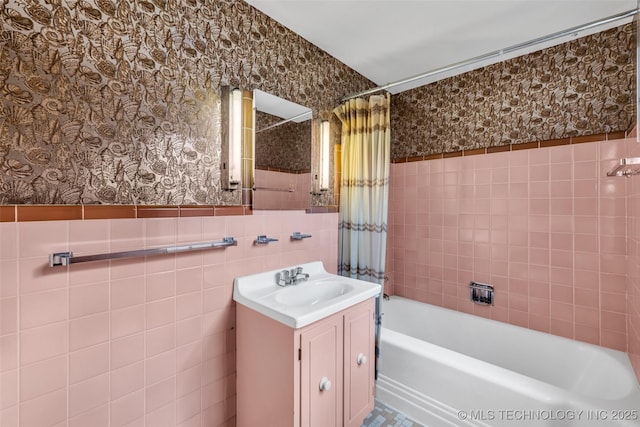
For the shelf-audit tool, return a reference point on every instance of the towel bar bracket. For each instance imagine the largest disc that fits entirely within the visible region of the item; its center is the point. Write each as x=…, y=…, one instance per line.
x=60, y=258
x=626, y=167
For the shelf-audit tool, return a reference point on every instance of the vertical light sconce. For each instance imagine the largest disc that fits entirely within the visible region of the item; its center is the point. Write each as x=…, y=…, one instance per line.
x=248, y=147
x=231, y=162
x=324, y=155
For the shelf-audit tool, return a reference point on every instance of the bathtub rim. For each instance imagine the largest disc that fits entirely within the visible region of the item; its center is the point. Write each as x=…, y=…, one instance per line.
x=621, y=358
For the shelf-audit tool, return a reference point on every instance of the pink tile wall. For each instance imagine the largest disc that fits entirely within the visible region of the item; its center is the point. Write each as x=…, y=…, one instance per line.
x=633, y=248
x=282, y=191
x=545, y=226
x=133, y=342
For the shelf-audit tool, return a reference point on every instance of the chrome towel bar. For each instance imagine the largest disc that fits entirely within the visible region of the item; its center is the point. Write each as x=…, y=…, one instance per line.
x=66, y=258
x=282, y=190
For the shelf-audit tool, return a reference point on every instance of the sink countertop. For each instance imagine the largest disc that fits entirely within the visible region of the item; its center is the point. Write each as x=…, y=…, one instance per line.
x=299, y=305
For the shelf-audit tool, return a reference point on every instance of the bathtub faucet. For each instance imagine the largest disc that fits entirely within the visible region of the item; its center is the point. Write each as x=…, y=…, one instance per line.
x=291, y=277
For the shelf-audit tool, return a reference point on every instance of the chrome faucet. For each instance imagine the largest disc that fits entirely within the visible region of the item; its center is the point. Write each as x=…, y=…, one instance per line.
x=291, y=277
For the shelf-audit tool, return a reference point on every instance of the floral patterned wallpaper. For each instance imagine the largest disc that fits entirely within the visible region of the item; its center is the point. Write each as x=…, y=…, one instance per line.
x=583, y=87
x=286, y=147
x=118, y=102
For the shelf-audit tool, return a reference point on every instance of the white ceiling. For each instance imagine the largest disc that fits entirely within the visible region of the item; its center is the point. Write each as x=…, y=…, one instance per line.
x=287, y=110
x=391, y=40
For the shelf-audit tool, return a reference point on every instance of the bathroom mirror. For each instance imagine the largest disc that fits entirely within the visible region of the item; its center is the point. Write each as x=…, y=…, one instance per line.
x=282, y=138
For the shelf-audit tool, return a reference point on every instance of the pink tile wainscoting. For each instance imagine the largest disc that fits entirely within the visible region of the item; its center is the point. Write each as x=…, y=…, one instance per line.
x=633, y=268
x=545, y=226
x=136, y=342
x=277, y=190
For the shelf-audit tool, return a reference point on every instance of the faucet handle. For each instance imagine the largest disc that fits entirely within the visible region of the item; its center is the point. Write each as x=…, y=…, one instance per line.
x=282, y=278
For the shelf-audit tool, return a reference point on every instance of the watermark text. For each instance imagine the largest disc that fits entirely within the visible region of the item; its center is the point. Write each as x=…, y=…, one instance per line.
x=549, y=415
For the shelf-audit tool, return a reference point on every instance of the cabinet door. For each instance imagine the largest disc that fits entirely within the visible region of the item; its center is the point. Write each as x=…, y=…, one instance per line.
x=359, y=343
x=321, y=374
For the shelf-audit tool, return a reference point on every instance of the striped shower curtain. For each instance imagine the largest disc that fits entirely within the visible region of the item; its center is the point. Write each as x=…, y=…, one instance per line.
x=364, y=187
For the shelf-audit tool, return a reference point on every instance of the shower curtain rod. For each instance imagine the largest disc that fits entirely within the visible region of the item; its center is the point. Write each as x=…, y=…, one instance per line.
x=296, y=117
x=497, y=53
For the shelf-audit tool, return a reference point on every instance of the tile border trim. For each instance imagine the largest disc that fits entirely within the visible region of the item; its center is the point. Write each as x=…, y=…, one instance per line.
x=291, y=171
x=24, y=213
x=524, y=146
x=323, y=209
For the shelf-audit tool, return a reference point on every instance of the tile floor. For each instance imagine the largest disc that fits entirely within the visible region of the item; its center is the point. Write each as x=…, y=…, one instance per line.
x=383, y=416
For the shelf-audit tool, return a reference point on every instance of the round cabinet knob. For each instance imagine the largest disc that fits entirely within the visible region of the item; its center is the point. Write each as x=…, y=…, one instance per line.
x=325, y=384
x=362, y=359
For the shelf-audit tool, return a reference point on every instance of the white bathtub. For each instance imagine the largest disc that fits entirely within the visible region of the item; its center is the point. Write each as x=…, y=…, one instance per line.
x=446, y=368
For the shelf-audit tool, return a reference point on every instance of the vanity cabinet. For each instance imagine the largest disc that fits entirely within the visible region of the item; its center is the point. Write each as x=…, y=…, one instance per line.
x=359, y=361
x=320, y=375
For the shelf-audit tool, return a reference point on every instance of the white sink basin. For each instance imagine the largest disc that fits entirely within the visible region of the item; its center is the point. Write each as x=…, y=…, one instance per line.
x=322, y=295
x=312, y=294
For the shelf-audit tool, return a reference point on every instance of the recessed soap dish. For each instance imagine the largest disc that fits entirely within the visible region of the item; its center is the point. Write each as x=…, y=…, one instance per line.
x=481, y=293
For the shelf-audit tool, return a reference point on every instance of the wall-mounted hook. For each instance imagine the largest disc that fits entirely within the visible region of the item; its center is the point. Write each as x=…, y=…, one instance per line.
x=299, y=236
x=263, y=240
